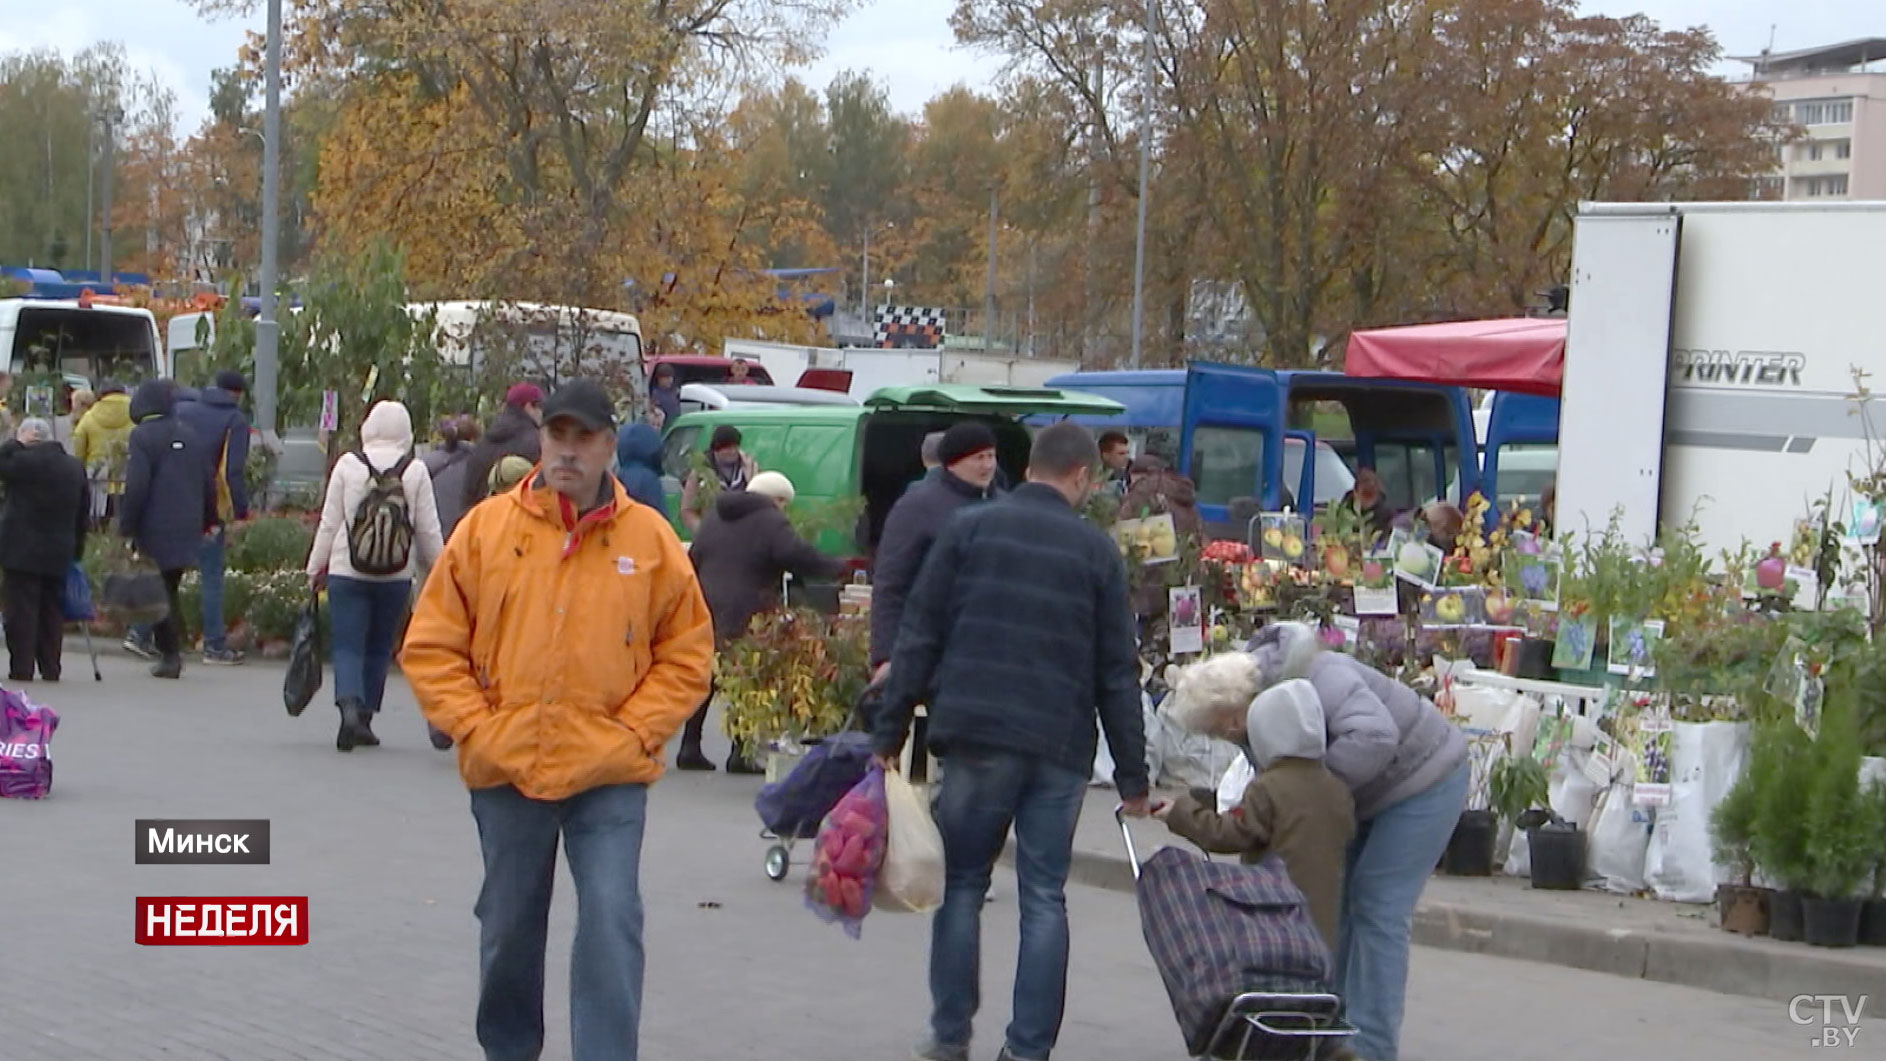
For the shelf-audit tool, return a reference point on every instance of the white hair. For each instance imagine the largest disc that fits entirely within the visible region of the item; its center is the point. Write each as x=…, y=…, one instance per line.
x=41, y=428
x=1211, y=696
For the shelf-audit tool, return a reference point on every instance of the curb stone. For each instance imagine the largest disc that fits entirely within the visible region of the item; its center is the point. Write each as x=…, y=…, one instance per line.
x=1730, y=965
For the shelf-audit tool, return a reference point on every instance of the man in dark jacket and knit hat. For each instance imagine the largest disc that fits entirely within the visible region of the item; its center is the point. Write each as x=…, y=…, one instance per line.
x=169, y=504
x=42, y=533
x=967, y=454
x=513, y=434
x=744, y=548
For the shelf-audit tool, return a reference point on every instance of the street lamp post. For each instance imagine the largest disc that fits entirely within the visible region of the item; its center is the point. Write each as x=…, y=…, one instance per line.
x=267, y=329
x=1145, y=181
x=111, y=118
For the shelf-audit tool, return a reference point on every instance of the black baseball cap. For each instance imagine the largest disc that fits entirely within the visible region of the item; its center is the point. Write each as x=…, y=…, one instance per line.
x=583, y=401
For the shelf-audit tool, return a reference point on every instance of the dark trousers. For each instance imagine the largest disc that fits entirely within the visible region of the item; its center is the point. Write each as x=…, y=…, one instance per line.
x=697, y=723
x=35, y=615
x=169, y=633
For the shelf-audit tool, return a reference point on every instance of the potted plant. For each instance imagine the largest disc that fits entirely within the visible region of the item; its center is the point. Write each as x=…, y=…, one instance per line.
x=1777, y=840
x=1741, y=905
x=1873, y=917
x=1522, y=796
x=1470, y=850
x=1841, y=839
x=795, y=676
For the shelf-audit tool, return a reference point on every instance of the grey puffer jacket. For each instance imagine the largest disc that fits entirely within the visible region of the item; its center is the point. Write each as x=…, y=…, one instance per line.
x=1386, y=742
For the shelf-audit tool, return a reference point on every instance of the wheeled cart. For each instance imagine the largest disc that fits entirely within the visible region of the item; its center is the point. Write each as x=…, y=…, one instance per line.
x=1264, y=1023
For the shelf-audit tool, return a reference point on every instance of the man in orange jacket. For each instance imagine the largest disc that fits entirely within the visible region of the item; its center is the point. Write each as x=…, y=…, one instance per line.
x=560, y=643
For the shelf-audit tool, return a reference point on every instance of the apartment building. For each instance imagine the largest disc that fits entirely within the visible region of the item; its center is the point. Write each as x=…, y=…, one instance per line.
x=1837, y=94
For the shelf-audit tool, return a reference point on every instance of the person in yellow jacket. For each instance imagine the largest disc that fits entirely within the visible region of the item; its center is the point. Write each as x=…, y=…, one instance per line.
x=560, y=643
x=101, y=440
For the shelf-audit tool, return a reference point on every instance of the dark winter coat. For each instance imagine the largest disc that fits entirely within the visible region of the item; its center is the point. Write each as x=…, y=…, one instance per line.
x=744, y=547
x=512, y=434
x=1015, y=635
x=638, y=465
x=909, y=531
x=447, y=468
x=169, y=496
x=214, y=415
x=668, y=400
x=42, y=528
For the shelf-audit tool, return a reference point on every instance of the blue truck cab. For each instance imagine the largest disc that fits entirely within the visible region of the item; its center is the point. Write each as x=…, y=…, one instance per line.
x=1245, y=435
x=1519, y=454
x=1239, y=421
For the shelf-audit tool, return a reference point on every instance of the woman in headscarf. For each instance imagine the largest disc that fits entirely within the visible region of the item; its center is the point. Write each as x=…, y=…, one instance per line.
x=366, y=608
x=1406, y=766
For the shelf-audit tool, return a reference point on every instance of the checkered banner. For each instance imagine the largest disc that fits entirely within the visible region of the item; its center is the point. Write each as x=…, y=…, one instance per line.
x=908, y=328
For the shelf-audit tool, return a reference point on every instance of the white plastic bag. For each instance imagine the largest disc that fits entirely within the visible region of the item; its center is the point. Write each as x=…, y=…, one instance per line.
x=1237, y=777
x=911, y=878
x=1705, y=760
x=1619, y=841
x=1103, y=753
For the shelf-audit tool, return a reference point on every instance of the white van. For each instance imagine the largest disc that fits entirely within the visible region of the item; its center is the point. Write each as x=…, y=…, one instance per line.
x=92, y=341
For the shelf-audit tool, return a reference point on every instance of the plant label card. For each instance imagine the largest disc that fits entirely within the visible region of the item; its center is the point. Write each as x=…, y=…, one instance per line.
x=1285, y=537
x=1806, y=586
x=1601, y=765
x=1372, y=600
x=1578, y=639
x=1633, y=646
x=1344, y=631
x=1419, y=563
x=1455, y=606
x=1863, y=526
x=1533, y=577
x=330, y=410
x=1187, y=627
x=1805, y=543
x=1789, y=673
x=1807, y=705
x=1652, y=747
x=39, y=402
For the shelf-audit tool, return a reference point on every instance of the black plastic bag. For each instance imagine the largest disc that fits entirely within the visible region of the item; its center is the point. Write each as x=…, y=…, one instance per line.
x=304, y=660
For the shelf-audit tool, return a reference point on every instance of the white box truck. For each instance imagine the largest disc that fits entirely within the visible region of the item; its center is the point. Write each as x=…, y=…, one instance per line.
x=1709, y=365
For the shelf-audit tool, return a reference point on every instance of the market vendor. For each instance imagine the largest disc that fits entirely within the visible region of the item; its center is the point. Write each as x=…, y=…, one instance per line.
x=1406, y=766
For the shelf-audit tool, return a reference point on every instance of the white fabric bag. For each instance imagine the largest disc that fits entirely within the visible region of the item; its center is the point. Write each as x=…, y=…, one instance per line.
x=1103, y=753
x=1619, y=841
x=911, y=877
x=1705, y=760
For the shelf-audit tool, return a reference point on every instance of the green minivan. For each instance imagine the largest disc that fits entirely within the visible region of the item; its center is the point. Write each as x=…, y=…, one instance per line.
x=871, y=450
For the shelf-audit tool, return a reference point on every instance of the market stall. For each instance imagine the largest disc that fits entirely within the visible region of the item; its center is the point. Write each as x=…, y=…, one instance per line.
x=1524, y=355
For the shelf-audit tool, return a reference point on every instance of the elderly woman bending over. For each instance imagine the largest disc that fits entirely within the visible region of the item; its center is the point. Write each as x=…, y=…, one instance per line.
x=1405, y=764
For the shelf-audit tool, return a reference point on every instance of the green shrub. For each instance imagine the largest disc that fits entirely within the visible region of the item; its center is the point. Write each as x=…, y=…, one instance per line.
x=1777, y=839
x=1840, y=840
x=273, y=544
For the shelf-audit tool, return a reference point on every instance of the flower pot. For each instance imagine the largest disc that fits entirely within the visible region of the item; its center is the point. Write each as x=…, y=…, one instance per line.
x=1557, y=854
x=1535, y=658
x=1784, y=916
x=1743, y=908
x=1470, y=849
x=1873, y=924
x=1831, y=922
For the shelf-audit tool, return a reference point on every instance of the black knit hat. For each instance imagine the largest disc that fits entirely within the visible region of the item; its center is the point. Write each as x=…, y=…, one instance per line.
x=231, y=381
x=726, y=436
x=965, y=440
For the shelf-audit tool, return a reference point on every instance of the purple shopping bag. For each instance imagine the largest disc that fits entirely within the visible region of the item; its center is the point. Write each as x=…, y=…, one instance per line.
x=25, y=747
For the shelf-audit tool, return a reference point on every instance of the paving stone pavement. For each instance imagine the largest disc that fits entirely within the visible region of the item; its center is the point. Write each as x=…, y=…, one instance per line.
x=383, y=844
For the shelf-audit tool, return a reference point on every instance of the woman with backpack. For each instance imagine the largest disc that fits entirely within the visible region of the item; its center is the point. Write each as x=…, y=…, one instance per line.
x=379, y=524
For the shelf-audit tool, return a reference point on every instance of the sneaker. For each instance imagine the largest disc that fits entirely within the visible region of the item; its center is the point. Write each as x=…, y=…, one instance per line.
x=932, y=1050
x=142, y=648
x=224, y=657
x=1006, y=1055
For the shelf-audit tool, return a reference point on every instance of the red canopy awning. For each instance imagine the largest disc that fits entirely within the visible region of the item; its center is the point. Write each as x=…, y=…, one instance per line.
x=1520, y=354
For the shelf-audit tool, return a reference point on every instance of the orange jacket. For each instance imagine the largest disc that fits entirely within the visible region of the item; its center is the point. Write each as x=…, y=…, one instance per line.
x=561, y=654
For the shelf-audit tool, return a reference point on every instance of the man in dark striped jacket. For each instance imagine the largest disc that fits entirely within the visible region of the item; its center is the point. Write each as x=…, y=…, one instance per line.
x=1017, y=633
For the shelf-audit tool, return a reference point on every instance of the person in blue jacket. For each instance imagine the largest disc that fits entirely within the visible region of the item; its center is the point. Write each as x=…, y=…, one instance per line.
x=638, y=465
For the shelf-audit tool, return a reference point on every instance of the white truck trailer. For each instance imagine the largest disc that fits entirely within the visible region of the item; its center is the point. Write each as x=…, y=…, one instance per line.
x=1709, y=366
x=874, y=369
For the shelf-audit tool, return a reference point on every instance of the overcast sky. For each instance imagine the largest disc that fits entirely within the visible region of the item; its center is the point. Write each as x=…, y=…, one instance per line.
x=907, y=44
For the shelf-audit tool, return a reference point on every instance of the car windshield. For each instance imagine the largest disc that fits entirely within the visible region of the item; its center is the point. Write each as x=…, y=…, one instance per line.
x=1333, y=477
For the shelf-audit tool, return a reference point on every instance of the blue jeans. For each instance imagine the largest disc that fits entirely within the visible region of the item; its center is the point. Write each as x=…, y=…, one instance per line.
x=1390, y=861
x=602, y=829
x=983, y=792
x=365, y=617
x=211, y=558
